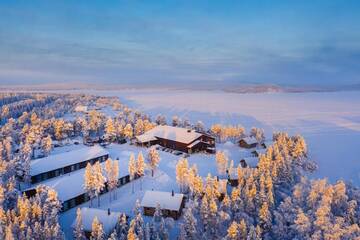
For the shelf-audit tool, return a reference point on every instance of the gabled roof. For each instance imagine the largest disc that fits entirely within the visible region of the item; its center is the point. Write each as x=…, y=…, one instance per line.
x=108, y=221
x=165, y=199
x=249, y=140
x=251, y=161
x=61, y=160
x=177, y=134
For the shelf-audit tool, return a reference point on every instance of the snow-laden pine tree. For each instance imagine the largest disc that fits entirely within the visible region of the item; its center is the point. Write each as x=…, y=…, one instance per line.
x=89, y=182
x=99, y=180
x=182, y=174
x=221, y=162
x=46, y=145
x=122, y=227
x=140, y=167
x=132, y=171
x=110, y=131
x=79, y=229
x=188, y=229
x=233, y=232
x=112, y=175
x=128, y=131
x=97, y=231
x=153, y=159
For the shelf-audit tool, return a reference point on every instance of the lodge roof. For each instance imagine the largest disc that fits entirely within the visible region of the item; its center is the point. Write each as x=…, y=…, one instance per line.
x=177, y=134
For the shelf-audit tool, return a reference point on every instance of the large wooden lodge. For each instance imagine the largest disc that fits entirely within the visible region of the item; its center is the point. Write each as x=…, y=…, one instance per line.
x=176, y=138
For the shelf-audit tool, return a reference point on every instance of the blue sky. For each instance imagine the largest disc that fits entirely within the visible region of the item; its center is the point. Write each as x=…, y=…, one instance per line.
x=180, y=42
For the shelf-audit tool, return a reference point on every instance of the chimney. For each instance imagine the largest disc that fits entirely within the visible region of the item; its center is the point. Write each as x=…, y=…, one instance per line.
x=109, y=211
x=172, y=193
x=189, y=130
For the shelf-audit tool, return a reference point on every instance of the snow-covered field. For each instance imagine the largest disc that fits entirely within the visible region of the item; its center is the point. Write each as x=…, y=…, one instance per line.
x=330, y=122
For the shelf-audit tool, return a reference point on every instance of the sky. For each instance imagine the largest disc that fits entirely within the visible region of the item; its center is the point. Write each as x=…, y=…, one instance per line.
x=180, y=43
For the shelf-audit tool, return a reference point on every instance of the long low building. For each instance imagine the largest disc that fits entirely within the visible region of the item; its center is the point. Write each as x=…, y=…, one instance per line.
x=70, y=187
x=181, y=139
x=63, y=163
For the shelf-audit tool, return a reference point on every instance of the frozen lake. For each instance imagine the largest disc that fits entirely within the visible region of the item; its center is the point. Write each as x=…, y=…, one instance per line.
x=330, y=122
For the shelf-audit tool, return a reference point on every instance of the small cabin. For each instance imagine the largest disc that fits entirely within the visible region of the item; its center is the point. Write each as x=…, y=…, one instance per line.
x=171, y=204
x=257, y=152
x=107, y=218
x=250, y=162
x=248, y=142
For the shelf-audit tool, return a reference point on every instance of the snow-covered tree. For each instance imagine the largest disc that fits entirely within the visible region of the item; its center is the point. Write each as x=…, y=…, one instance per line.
x=46, y=145
x=110, y=131
x=182, y=173
x=221, y=162
x=97, y=231
x=153, y=159
x=132, y=170
x=140, y=167
x=79, y=229
x=112, y=174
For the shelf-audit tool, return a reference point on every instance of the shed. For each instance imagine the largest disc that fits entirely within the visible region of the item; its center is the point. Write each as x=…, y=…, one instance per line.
x=171, y=203
x=248, y=142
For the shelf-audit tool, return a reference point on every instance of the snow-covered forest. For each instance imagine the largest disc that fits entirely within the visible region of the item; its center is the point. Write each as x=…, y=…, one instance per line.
x=223, y=198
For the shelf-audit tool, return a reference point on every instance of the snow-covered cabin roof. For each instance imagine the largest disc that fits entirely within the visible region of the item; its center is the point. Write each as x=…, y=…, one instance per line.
x=260, y=151
x=172, y=133
x=60, y=160
x=165, y=199
x=108, y=221
x=72, y=185
x=251, y=161
x=249, y=140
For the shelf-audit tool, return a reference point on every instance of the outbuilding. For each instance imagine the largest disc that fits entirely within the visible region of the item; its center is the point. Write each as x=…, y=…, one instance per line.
x=248, y=142
x=171, y=204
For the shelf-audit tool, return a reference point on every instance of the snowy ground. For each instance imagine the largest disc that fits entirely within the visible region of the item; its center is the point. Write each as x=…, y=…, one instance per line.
x=330, y=122
x=163, y=180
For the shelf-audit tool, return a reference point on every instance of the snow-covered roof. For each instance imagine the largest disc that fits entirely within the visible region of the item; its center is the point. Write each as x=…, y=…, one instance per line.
x=249, y=140
x=165, y=199
x=251, y=161
x=72, y=185
x=260, y=151
x=108, y=221
x=172, y=133
x=60, y=160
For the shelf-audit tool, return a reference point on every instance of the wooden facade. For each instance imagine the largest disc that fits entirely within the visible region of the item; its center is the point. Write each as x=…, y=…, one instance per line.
x=244, y=144
x=175, y=214
x=67, y=169
x=203, y=143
